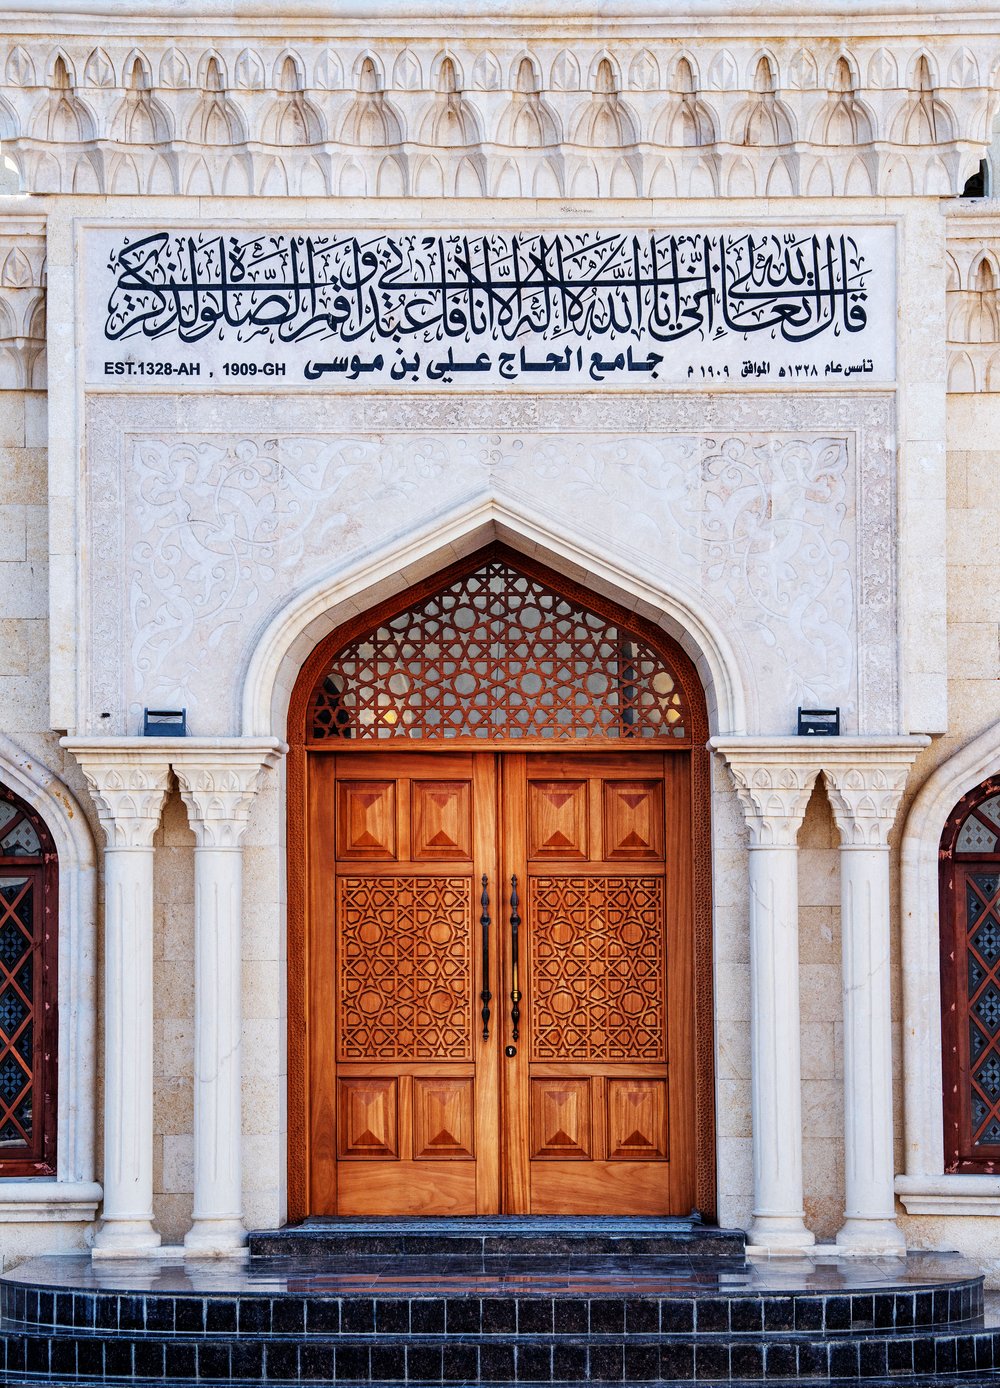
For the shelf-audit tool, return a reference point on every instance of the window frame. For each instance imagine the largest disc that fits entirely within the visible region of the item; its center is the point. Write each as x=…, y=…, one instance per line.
x=40, y=1160
x=961, y=1155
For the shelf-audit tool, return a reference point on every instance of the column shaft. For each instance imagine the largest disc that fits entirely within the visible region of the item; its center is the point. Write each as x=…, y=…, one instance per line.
x=778, y=1215
x=218, y=1164
x=128, y=1051
x=870, y=1207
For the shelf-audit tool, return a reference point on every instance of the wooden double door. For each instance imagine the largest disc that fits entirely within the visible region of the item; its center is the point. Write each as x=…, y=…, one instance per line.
x=442, y=885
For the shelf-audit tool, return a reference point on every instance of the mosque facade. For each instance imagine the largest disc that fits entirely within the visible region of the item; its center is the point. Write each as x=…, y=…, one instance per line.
x=499, y=702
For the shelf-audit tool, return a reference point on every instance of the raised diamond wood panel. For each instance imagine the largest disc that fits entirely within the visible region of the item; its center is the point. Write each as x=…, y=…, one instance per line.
x=597, y=968
x=637, y=1120
x=443, y=1119
x=441, y=820
x=366, y=819
x=633, y=819
x=405, y=967
x=367, y=1119
x=557, y=819
x=560, y=1119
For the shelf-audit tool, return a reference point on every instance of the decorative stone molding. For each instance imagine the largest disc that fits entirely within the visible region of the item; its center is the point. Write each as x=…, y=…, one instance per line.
x=128, y=789
x=865, y=798
x=773, y=797
x=225, y=113
x=218, y=788
x=973, y=293
x=22, y=304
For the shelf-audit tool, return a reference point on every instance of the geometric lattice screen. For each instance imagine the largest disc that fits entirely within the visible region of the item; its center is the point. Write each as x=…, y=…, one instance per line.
x=497, y=654
x=17, y=1011
x=982, y=930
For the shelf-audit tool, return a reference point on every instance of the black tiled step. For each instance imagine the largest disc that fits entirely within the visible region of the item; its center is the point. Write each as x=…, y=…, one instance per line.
x=565, y=1298
x=439, y=1360
x=541, y=1235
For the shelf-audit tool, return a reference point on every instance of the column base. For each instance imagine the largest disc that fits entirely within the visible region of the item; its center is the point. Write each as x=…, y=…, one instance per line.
x=215, y=1238
x=882, y=1236
x=125, y=1238
x=780, y=1232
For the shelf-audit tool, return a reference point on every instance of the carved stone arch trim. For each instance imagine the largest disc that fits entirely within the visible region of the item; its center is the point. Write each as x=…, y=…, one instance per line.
x=294, y=630
x=921, y=968
x=77, y=970
x=582, y=590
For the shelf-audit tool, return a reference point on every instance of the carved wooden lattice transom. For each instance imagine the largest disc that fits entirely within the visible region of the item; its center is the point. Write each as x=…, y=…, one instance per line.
x=498, y=654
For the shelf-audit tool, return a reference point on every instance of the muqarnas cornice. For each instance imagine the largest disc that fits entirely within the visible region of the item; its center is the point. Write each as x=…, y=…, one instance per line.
x=435, y=118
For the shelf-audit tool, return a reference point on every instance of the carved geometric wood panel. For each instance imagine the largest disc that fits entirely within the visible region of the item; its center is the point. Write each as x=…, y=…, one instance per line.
x=366, y=819
x=366, y=1119
x=497, y=654
x=405, y=967
x=557, y=819
x=560, y=1119
x=637, y=1120
x=598, y=968
x=443, y=1118
x=633, y=819
x=441, y=821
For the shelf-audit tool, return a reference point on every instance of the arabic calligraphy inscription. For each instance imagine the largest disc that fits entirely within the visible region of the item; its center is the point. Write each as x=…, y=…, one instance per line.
x=460, y=309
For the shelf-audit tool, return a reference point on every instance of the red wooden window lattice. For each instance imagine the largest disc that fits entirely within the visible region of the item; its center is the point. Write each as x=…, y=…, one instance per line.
x=970, y=981
x=28, y=917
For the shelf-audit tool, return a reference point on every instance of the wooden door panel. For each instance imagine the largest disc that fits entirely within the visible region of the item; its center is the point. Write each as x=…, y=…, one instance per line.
x=597, y=971
x=444, y=1119
x=602, y=1187
x=405, y=972
x=560, y=1119
x=398, y=942
x=367, y=1127
x=557, y=819
x=366, y=819
x=637, y=1120
x=633, y=819
x=597, y=843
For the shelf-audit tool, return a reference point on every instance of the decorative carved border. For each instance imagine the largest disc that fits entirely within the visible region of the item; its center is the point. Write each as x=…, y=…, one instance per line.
x=297, y=824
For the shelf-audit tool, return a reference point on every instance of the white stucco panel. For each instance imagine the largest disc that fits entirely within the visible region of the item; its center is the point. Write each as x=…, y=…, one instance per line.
x=210, y=514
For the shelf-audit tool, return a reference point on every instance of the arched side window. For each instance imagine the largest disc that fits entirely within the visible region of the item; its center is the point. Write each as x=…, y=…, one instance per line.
x=970, y=980
x=28, y=971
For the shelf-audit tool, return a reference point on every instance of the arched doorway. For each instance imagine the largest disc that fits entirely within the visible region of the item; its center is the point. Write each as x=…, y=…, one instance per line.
x=499, y=907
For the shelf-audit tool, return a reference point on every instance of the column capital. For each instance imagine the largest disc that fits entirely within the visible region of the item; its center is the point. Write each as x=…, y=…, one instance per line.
x=865, y=786
x=127, y=787
x=218, y=786
x=772, y=786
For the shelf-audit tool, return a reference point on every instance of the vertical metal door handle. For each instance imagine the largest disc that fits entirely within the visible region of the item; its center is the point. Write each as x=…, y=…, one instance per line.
x=484, y=921
x=515, y=992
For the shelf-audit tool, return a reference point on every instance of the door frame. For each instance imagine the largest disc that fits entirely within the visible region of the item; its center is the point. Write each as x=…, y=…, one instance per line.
x=298, y=875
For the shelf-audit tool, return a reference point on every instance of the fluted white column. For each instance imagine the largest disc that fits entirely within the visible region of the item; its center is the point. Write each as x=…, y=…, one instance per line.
x=774, y=794
x=865, y=796
x=128, y=791
x=218, y=788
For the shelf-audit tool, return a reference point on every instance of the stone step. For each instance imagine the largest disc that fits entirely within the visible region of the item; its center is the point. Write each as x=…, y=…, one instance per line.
x=541, y=1235
x=461, y=1296
x=439, y=1360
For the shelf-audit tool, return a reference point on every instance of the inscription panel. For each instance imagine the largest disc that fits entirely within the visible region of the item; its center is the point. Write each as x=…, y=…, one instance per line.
x=461, y=309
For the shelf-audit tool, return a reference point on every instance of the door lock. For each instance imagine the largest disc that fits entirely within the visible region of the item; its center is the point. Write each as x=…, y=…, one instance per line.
x=510, y=1052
